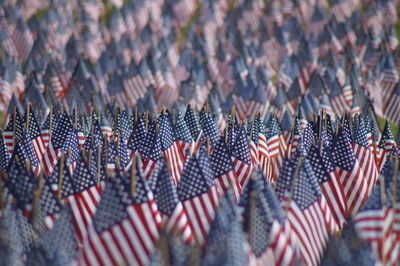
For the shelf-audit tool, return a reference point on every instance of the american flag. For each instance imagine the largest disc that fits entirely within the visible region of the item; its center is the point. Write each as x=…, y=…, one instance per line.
x=254, y=129
x=276, y=145
x=87, y=196
x=25, y=151
x=264, y=157
x=182, y=133
x=13, y=131
x=349, y=171
x=322, y=164
x=21, y=182
x=34, y=131
x=372, y=221
x=263, y=221
x=226, y=242
x=58, y=138
x=241, y=157
x=209, y=130
x=135, y=140
x=192, y=122
x=50, y=206
x=151, y=149
x=224, y=173
x=308, y=215
x=338, y=99
x=61, y=241
x=134, y=85
x=364, y=155
x=294, y=138
x=174, y=215
x=126, y=225
x=170, y=146
x=389, y=79
x=199, y=195
x=347, y=249
x=22, y=39
x=386, y=145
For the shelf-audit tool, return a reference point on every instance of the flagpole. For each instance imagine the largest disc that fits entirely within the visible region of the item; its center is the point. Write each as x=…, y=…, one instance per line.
x=14, y=125
x=98, y=163
x=50, y=123
x=60, y=175
x=106, y=155
x=133, y=176
x=27, y=117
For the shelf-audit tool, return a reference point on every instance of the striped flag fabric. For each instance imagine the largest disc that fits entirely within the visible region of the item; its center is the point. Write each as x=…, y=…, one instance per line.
x=174, y=216
x=350, y=173
x=87, y=192
x=170, y=146
x=364, y=155
x=372, y=221
x=199, y=195
x=34, y=131
x=322, y=164
x=276, y=145
x=126, y=226
x=224, y=173
x=308, y=216
x=23, y=39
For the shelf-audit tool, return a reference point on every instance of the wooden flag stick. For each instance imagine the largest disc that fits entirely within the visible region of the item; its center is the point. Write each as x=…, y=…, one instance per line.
x=27, y=117
x=14, y=126
x=163, y=246
x=90, y=158
x=106, y=156
x=76, y=117
x=383, y=196
x=118, y=163
x=98, y=163
x=27, y=165
x=60, y=175
x=233, y=116
x=320, y=124
x=147, y=120
x=83, y=123
x=133, y=176
x=50, y=122
x=155, y=120
x=343, y=119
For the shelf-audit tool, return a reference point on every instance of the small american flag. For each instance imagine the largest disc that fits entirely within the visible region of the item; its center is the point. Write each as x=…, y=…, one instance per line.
x=174, y=215
x=170, y=146
x=126, y=225
x=349, y=170
x=224, y=173
x=199, y=195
